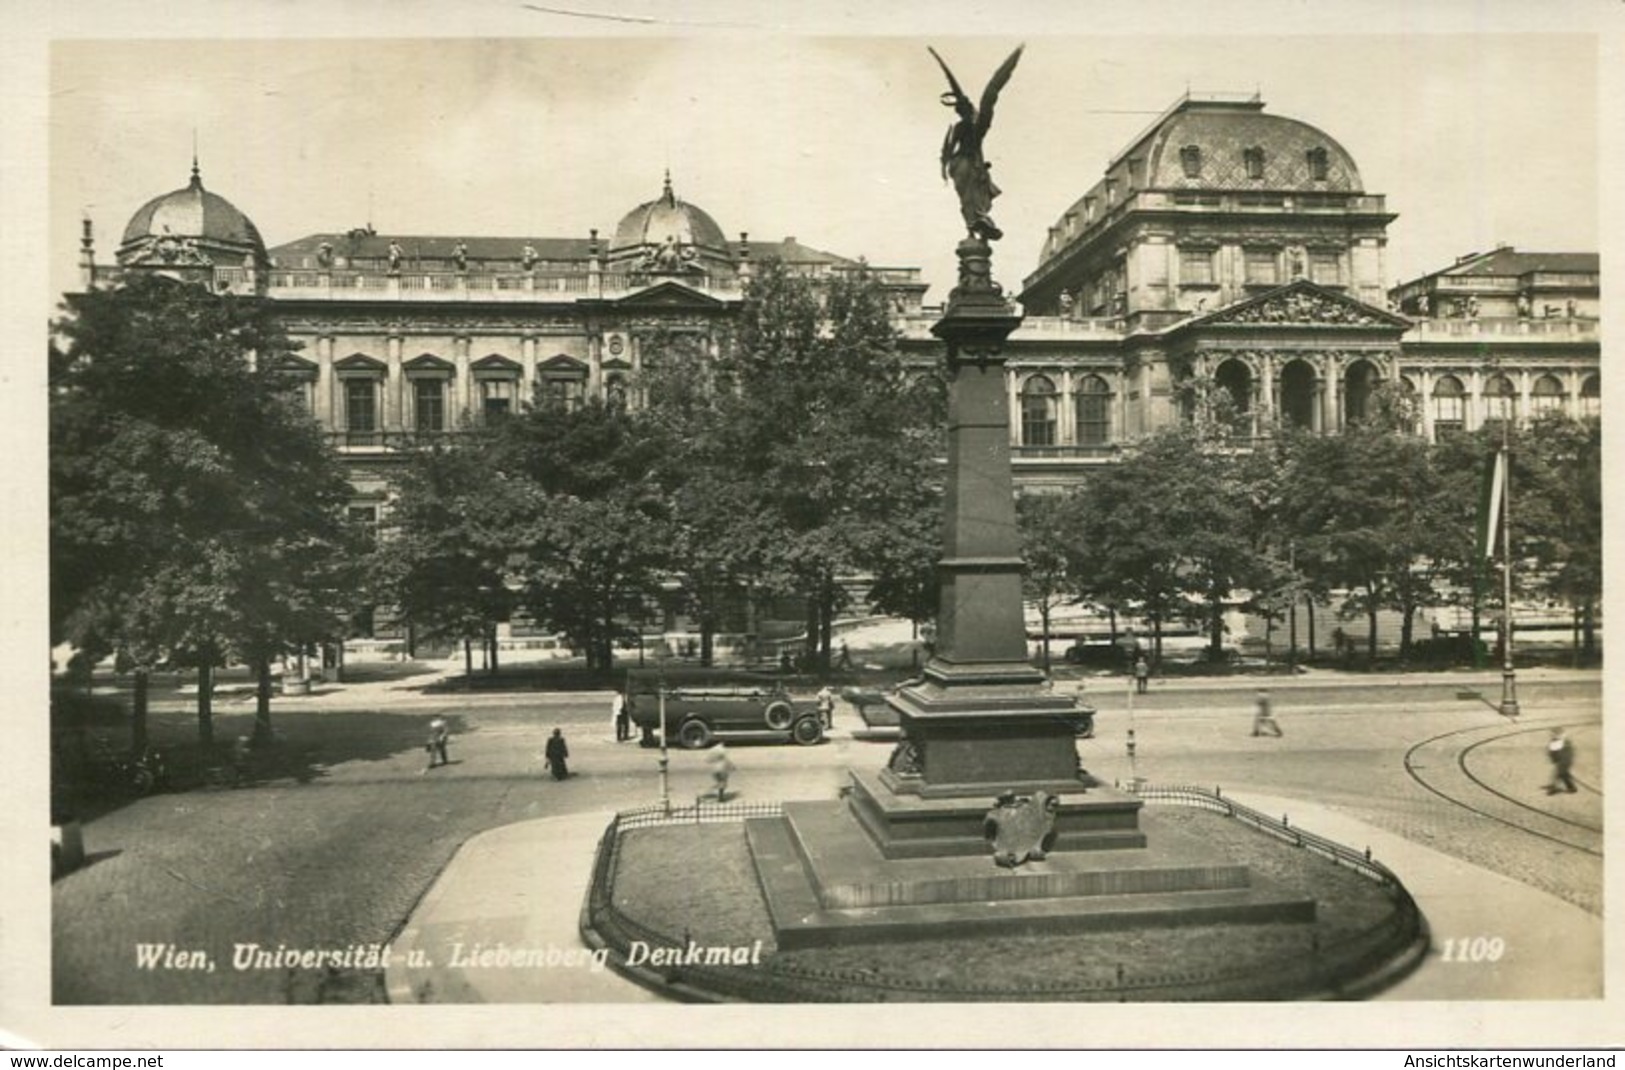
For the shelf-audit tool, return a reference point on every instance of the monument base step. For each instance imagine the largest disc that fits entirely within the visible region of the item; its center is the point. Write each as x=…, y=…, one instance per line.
x=916, y=826
x=808, y=913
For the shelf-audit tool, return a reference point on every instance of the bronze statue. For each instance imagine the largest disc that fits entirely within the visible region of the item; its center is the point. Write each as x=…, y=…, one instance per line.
x=962, y=158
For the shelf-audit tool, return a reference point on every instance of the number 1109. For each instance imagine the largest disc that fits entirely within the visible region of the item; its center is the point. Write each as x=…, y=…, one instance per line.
x=1476, y=949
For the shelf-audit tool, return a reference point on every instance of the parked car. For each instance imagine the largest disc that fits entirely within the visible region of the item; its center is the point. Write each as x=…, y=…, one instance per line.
x=705, y=707
x=871, y=704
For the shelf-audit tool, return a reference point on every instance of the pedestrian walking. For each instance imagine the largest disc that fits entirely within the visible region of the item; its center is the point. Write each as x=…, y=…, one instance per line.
x=1142, y=675
x=722, y=768
x=623, y=718
x=1264, y=718
x=557, y=752
x=1560, y=751
x=439, y=736
x=826, y=707
x=845, y=661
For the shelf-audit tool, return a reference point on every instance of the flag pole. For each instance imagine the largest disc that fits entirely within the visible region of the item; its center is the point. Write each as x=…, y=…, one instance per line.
x=1509, y=676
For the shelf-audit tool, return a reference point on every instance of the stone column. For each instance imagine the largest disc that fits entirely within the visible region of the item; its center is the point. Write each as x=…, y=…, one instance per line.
x=982, y=720
x=1424, y=398
x=1333, y=421
x=1266, y=376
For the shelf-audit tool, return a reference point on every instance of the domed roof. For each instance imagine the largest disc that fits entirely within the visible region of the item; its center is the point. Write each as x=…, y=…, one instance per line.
x=653, y=222
x=193, y=212
x=1224, y=135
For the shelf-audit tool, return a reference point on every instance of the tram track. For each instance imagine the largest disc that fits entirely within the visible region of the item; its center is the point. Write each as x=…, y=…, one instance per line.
x=1439, y=764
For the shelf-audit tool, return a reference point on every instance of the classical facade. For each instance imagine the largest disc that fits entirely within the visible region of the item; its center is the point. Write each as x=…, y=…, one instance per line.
x=410, y=335
x=1228, y=249
x=1224, y=249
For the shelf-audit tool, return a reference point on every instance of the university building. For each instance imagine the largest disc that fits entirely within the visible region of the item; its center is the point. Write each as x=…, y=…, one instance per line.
x=1224, y=249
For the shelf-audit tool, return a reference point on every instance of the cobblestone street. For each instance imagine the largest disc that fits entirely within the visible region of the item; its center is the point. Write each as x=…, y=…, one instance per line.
x=339, y=854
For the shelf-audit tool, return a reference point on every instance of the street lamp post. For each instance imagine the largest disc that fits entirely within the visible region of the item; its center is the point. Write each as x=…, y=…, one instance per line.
x=665, y=759
x=1509, y=676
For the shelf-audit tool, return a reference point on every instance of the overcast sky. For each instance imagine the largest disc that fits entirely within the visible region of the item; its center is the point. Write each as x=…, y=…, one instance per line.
x=1475, y=138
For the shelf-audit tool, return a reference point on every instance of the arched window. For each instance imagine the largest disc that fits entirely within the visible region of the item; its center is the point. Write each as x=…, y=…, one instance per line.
x=1449, y=406
x=1094, y=399
x=1038, y=412
x=1546, y=395
x=1411, y=404
x=1319, y=162
x=1235, y=381
x=1500, y=399
x=1298, y=394
x=1253, y=159
x=1591, y=396
x=1359, y=382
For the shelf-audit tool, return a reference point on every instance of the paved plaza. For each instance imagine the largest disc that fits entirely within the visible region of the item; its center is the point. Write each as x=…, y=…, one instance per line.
x=363, y=847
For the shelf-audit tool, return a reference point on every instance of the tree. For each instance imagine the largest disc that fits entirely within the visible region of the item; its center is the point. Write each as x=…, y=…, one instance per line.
x=196, y=511
x=827, y=429
x=586, y=527
x=1048, y=537
x=1557, y=515
x=1173, y=531
x=446, y=544
x=1370, y=519
x=717, y=538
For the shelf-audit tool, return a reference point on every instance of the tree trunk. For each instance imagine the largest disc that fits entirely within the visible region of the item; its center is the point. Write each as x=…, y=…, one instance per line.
x=491, y=637
x=1111, y=624
x=262, y=701
x=1371, y=629
x=1589, y=627
x=809, y=646
x=205, y=699
x=1309, y=607
x=1478, y=661
x=826, y=623
x=468, y=663
x=138, y=711
x=1215, y=640
x=1406, y=627
x=708, y=630
x=1043, y=616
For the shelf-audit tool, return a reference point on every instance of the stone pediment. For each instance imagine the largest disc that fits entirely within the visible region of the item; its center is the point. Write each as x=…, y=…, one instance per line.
x=669, y=295
x=1302, y=304
x=562, y=362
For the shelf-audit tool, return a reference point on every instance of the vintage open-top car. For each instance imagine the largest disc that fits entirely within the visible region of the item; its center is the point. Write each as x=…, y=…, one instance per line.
x=705, y=706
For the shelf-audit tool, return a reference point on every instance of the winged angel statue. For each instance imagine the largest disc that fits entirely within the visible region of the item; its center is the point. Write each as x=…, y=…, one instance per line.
x=962, y=158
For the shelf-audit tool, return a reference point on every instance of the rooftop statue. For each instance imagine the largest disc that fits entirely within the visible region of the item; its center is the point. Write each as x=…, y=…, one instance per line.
x=962, y=158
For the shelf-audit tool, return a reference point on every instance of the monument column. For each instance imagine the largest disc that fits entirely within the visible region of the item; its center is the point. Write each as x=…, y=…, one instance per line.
x=983, y=719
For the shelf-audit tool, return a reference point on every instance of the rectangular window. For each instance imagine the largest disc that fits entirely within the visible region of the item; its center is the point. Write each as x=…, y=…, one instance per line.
x=1094, y=419
x=1326, y=268
x=429, y=404
x=496, y=397
x=1448, y=416
x=1262, y=267
x=1196, y=267
x=364, y=521
x=564, y=393
x=1037, y=421
x=360, y=405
